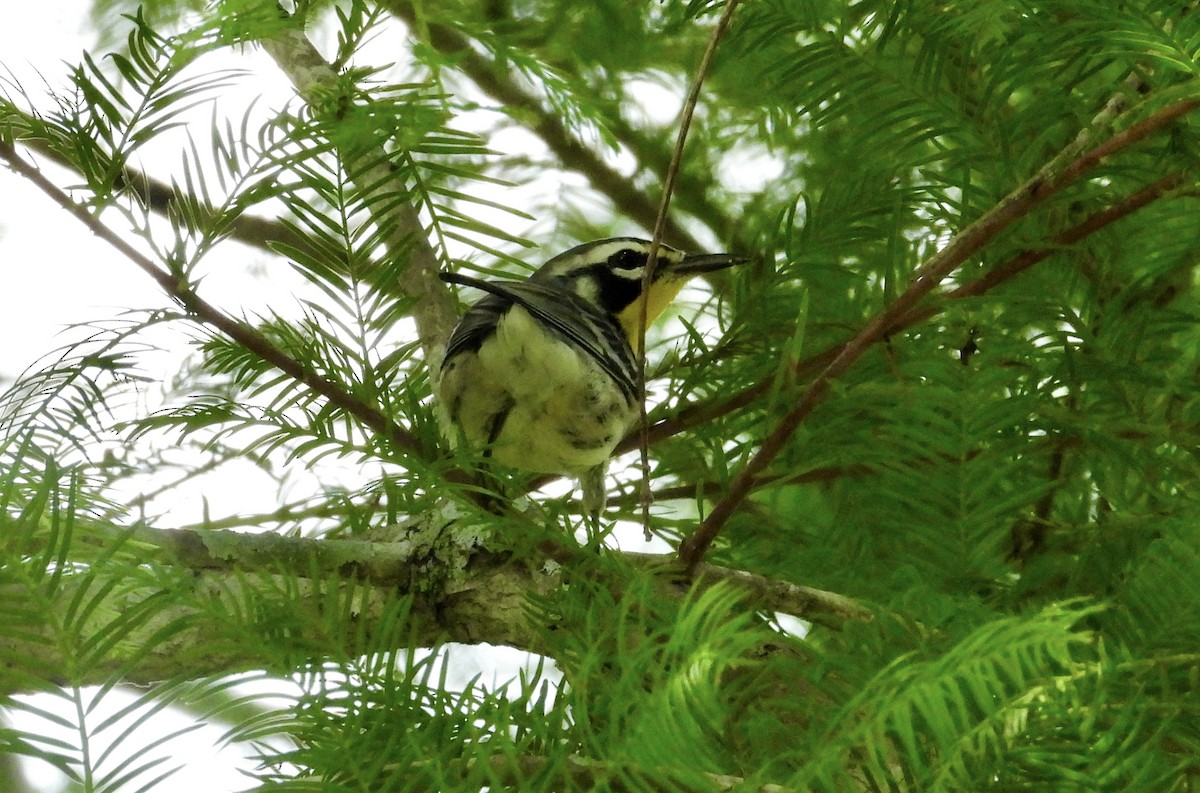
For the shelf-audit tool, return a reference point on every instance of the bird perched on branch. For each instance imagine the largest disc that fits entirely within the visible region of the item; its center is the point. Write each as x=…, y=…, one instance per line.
x=541, y=374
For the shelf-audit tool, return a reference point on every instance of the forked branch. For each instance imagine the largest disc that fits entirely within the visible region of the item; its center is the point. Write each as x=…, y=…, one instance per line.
x=701, y=413
x=1074, y=161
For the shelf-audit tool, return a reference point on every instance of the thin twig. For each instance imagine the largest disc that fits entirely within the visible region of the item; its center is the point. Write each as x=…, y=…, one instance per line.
x=716, y=488
x=685, y=123
x=1068, y=166
x=814, y=605
x=182, y=292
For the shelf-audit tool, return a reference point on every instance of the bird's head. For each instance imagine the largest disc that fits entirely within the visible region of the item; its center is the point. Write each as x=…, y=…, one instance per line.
x=610, y=274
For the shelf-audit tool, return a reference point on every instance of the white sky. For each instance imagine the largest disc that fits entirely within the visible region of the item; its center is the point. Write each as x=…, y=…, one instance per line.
x=53, y=272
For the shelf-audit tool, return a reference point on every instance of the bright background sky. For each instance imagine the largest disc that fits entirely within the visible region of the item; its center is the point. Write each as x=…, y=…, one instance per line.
x=53, y=272
x=56, y=274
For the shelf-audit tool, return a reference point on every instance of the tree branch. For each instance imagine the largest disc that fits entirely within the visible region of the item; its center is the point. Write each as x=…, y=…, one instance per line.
x=815, y=605
x=159, y=197
x=182, y=292
x=391, y=565
x=1068, y=166
x=434, y=309
x=713, y=488
x=1105, y=217
x=484, y=598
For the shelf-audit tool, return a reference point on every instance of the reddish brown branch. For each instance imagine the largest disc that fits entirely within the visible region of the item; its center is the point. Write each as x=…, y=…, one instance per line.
x=1121, y=140
x=701, y=413
x=1012, y=207
x=1026, y=259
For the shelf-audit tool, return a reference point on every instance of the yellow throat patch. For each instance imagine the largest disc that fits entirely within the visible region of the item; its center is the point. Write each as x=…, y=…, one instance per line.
x=660, y=295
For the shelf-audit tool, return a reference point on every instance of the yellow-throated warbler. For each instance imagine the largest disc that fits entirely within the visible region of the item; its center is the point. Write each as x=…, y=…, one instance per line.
x=540, y=374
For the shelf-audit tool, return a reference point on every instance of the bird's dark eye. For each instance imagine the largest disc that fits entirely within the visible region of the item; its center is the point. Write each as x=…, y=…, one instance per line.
x=627, y=259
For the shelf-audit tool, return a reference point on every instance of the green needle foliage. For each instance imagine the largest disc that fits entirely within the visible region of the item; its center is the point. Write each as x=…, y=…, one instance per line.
x=993, y=486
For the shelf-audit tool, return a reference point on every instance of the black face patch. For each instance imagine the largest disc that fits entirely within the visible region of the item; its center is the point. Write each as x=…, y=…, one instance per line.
x=615, y=290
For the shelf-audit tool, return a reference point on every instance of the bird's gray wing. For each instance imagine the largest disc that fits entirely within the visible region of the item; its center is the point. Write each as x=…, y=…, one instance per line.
x=560, y=310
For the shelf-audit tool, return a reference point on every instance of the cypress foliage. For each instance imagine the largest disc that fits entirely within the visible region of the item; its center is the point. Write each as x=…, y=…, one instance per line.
x=947, y=417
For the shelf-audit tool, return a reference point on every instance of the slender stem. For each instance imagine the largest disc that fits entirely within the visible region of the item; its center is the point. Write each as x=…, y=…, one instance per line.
x=660, y=221
x=488, y=75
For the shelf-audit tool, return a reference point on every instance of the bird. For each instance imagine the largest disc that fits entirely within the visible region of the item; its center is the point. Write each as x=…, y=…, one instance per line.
x=541, y=375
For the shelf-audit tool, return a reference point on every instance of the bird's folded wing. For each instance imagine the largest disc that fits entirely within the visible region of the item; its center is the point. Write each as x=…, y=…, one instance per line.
x=559, y=309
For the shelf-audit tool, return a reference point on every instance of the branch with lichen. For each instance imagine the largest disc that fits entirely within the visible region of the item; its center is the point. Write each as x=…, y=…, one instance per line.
x=456, y=590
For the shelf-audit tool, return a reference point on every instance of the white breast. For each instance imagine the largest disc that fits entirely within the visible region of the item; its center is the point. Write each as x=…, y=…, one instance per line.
x=564, y=413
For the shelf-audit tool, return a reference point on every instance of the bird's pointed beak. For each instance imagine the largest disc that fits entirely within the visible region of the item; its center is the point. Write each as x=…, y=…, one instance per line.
x=697, y=263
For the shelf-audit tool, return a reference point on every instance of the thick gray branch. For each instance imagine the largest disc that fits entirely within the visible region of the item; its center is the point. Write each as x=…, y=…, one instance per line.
x=222, y=586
